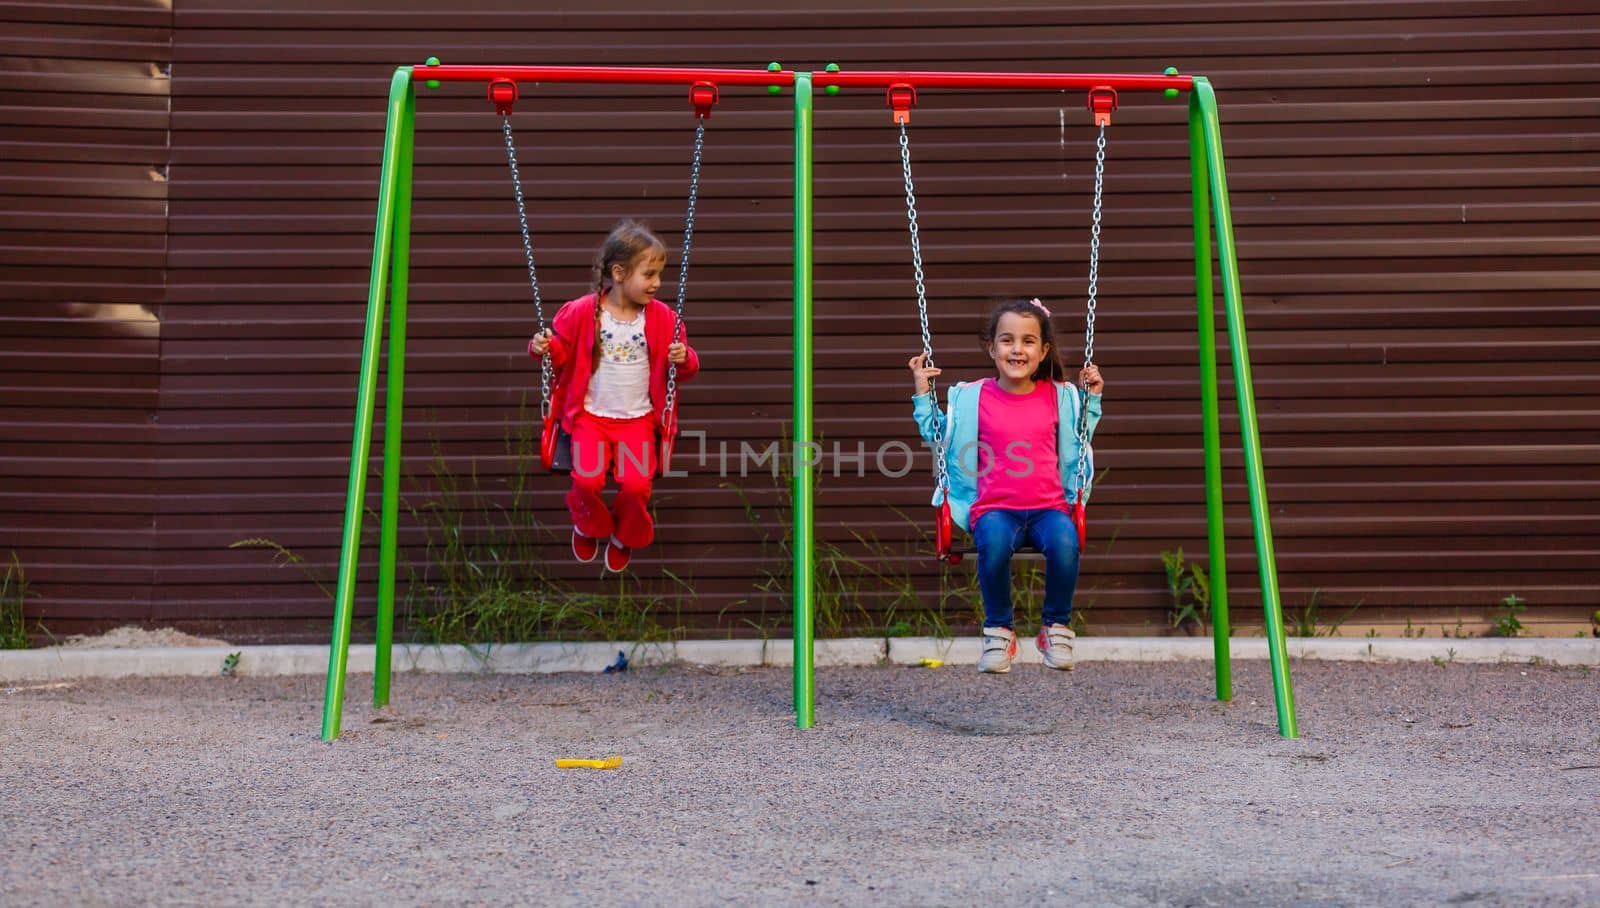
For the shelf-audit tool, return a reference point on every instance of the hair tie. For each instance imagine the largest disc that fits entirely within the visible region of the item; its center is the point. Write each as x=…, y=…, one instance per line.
x=1040, y=306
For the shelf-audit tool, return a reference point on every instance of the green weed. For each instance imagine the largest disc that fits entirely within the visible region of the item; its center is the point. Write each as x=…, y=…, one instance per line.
x=1189, y=589
x=1307, y=622
x=283, y=556
x=1505, y=624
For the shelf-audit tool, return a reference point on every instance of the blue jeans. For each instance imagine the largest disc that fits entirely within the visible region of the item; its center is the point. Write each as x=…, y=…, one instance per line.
x=998, y=534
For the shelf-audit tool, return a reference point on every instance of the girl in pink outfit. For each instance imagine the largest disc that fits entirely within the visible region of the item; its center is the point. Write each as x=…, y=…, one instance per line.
x=1012, y=445
x=610, y=350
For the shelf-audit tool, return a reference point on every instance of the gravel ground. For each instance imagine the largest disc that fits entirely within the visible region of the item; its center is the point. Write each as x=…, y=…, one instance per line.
x=1118, y=784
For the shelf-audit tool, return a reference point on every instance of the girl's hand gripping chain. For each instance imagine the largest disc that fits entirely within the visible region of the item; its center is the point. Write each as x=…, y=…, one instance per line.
x=540, y=344
x=1092, y=382
x=923, y=374
x=678, y=354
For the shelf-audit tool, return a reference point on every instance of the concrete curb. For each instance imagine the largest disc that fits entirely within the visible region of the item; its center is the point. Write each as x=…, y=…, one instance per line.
x=57, y=664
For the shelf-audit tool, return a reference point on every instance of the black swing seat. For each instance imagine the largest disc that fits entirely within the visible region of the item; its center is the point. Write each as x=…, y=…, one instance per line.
x=1027, y=553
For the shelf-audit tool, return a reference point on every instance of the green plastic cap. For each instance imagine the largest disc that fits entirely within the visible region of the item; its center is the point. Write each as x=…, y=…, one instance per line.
x=1170, y=71
x=831, y=89
x=772, y=68
x=433, y=61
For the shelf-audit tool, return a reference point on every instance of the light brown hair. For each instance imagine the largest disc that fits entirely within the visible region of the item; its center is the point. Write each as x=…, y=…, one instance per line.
x=624, y=246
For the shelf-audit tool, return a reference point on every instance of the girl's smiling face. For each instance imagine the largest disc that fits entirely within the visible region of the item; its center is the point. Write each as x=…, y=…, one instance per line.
x=1018, y=347
x=639, y=282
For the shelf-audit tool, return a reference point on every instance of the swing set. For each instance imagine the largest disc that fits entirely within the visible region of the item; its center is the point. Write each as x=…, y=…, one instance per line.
x=389, y=281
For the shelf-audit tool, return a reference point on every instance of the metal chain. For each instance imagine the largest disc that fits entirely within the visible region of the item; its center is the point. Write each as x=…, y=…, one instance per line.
x=545, y=372
x=683, y=264
x=940, y=467
x=1088, y=325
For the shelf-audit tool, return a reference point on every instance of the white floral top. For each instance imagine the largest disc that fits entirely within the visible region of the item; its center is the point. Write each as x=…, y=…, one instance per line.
x=620, y=386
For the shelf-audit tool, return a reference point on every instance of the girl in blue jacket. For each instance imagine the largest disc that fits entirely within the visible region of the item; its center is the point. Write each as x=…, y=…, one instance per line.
x=1012, y=446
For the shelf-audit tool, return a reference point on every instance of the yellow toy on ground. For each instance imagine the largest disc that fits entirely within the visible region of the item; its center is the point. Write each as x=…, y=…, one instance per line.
x=611, y=762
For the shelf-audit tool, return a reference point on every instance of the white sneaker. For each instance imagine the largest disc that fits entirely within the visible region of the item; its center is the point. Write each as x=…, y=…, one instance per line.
x=1055, y=643
x=999, y=648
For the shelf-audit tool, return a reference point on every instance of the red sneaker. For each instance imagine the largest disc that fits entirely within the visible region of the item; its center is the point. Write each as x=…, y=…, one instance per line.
x=617, y=556
x=1055, y=644
x=584, y=548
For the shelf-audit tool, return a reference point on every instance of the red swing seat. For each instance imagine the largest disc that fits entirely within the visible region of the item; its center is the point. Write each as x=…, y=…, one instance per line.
x=943, y=530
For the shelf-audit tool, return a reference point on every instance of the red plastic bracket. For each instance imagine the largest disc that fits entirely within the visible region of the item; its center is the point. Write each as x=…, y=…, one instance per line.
x=901, y=98
x=1080, y=519
x=704, y=95
x=1102, y=100
x=503, y=92
x=942, y=532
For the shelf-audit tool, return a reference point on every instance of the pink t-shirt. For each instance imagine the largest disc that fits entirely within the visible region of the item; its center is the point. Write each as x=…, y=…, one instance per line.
x=1023, y=473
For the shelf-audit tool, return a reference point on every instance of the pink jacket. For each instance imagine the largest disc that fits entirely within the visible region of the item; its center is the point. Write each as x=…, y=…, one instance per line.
x=573, y=338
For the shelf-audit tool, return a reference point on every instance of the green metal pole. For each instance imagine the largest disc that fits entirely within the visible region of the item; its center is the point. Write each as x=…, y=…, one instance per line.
x=394, y=403
x=366, y=391
x=804, y=556
x=1217, y=560
x=1249, y=435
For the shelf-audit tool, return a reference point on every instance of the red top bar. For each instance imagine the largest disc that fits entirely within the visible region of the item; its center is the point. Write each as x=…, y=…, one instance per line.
x=605, y=74
x=1055, y=81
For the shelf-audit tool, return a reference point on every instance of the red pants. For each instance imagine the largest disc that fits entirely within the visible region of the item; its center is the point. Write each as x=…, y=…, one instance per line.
x=626, y=449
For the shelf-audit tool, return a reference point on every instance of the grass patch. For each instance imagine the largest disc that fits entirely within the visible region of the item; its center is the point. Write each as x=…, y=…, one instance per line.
x=13, y=601
x=479, y=577
x=1307, y=622
x=487, y=584
x=845, y=577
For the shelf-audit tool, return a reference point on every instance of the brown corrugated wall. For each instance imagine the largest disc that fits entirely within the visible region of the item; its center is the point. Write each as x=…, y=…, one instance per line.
x=1414, y=186
x=83, y=193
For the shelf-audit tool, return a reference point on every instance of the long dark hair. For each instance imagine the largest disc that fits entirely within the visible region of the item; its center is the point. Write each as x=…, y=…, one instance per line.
x=623, y=246
x=1051, y=367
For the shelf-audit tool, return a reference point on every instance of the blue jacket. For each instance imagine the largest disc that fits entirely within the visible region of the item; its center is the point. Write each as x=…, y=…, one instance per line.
x=958, y=425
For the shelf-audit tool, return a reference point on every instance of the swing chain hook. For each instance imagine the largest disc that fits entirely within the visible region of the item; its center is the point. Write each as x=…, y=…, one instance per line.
x=940, y=466
x=503, y=92
x=688, y=244
x=900, y=98
x=1102, y=101
x=545, y=373
x=704, y=96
